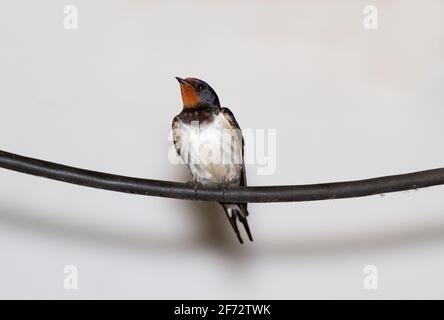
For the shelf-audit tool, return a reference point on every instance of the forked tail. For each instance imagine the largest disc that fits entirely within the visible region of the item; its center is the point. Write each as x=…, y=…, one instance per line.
x=234, y=212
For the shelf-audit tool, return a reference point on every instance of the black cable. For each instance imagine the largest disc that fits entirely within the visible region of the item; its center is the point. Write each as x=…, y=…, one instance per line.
x=158, y=188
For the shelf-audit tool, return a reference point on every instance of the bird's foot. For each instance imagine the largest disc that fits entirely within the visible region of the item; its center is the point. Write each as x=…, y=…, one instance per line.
x=224, y=187
x=195, y=184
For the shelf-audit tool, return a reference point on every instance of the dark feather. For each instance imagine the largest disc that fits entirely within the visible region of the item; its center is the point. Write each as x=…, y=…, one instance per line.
x=176, y=135
x=241, y=213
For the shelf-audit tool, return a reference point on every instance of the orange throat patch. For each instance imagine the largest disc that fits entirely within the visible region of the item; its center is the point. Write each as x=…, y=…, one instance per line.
x=190, y=97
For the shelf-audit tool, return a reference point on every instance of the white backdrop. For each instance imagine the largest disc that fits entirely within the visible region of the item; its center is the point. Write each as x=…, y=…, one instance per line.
x=346, y=103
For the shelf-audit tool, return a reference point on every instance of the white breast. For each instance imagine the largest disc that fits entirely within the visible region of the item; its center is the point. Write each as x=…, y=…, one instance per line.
x=213, y=151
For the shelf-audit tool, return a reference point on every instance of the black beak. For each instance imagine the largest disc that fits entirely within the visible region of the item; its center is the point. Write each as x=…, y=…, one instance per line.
x=182, y=81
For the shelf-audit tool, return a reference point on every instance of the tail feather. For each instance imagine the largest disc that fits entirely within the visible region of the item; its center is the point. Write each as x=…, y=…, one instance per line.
x=236, y=212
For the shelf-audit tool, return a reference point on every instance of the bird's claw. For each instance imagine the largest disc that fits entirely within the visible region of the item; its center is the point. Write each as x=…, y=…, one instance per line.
x=224, y=187
x=195, y=184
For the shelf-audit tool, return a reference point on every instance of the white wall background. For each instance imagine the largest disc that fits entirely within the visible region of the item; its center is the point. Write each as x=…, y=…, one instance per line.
x=347, y=103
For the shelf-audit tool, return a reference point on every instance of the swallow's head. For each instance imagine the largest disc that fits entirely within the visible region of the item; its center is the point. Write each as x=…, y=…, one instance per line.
x=197, y=93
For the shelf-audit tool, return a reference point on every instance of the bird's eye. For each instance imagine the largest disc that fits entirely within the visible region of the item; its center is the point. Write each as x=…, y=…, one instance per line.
x=200, y=87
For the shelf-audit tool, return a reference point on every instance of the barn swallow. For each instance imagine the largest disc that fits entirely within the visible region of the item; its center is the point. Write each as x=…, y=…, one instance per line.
x=209, y=139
